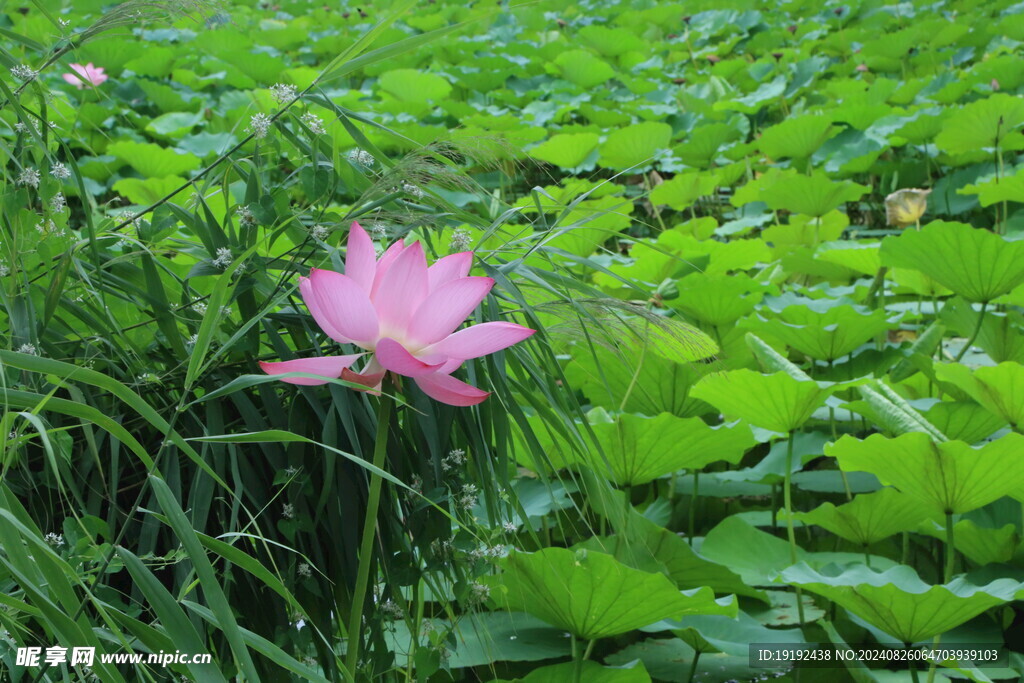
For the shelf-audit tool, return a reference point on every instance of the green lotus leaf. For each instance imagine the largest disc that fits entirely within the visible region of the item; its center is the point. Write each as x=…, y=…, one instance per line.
x=647, y=546
x=975, y=263
x=684, y=189
x=797, y=137
x=999, y=336
x=153, y=161
x=634, y=145
x=483, y=637
x=807, y=230
x=813, y=195
x=175, y=124
x=752, y=102
x=864, y=257
x=753, y=554
x=718, y=299
x=590, y=224
x=611, y=42
x=951, y=477
x=147, y=190
x=702, y=143
x=636, y=449
x=593, y=595
x=566, y=150
x=979, y=544
x=869, y=517
x=999, y=389
x=826, y=335
x=715, y=633
x=983, y=125
x=412, y=85
x=592, y=672
x=777, y=402
x=964, y=421
x=917, y=282
x=635, y=380
x=583, y=68
x=996, y=190
x=898, y=602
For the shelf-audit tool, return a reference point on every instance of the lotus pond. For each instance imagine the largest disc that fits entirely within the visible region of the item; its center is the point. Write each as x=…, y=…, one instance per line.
x=568, y=341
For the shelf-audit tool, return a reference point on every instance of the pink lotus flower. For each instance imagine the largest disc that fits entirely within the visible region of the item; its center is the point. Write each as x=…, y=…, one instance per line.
x=406, y=314
x=85, y=75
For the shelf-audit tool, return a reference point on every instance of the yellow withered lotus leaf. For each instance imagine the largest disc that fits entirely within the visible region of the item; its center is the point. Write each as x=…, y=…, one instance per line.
x=905, y=207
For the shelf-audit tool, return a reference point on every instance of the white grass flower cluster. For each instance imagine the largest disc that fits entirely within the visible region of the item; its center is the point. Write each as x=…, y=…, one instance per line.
x=56, y=540
x=224, y=258
x=411, y=189
x=246, y=219
x=29, y=177
x=319, y=232
x=60, y=171
x=313, y=122
x=478, y=593
x=259, y=126
x=453, y=460
x=58, y=203
x=283, y=92
x=361, y=157
x=23, y=73
x=467, y=498
x=461, y=241
x=28, y=348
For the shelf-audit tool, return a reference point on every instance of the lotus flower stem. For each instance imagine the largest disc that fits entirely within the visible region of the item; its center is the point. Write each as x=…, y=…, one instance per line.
x=787, y=501
x=355, y=620
x=974, y=335
x=693, y=666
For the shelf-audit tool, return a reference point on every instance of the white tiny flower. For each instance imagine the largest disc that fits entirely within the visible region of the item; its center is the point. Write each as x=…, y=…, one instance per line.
x=193, y=340
x=478, y=593
x=313, y=122
x=199, y=307
x=509, y=527
x=291, y=471
x=225, y=311
x=391, y=609
x=361, y=157
x=4, y=270
x=29, y=176
x=409, y=188
x=23, y=73
x=58, y=203
x=246, y=219
x=378, y=230
x=60, y=171
x=56, y=540
x=64, y=22
x=467, y=498
x=461, y=239
x=304, y=570
x=27, y=348
x=224, y=258
x=259, y=126
x=20, y=127
x=453, y=459
x=319, y=232
x=283, y=92
x=288, y=511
